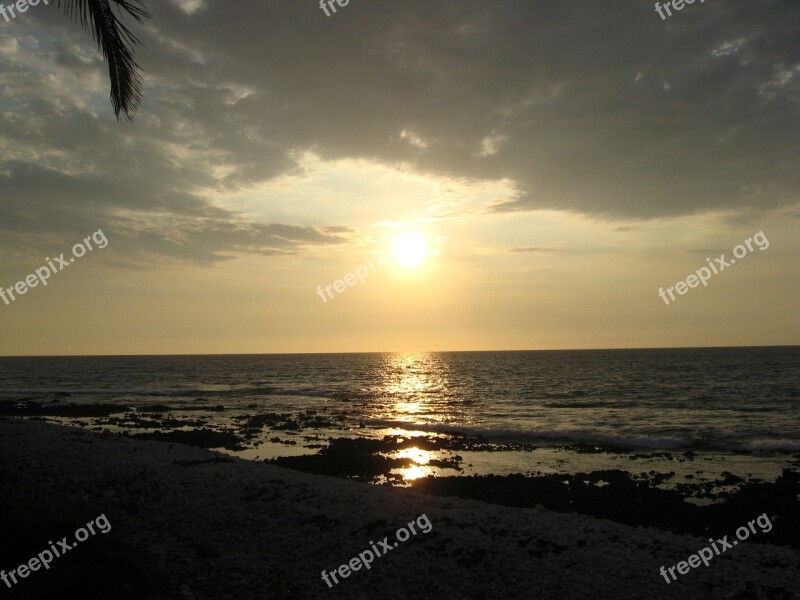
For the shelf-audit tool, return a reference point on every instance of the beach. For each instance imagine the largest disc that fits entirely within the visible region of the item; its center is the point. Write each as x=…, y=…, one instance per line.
x=221, y=527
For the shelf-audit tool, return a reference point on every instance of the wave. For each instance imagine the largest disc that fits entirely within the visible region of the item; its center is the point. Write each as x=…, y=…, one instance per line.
x=560, y=437
x=760, y=445
x=589, y=404
x=494, y=434
x=205, y=393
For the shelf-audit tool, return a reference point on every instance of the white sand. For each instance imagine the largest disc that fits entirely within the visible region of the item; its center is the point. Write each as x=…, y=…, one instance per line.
x=260, y=518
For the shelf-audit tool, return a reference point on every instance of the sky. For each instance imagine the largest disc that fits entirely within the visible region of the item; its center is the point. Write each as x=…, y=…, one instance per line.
x=549, y=165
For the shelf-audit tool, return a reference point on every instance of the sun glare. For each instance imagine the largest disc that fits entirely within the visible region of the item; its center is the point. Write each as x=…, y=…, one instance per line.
x=410, y=248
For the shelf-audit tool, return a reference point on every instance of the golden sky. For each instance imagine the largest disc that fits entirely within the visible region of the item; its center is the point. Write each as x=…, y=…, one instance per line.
x=547, y=168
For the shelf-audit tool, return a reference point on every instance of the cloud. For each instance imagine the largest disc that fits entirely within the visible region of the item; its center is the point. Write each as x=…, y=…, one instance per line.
x=8, y=44
x=528, y=250
x=565, y=100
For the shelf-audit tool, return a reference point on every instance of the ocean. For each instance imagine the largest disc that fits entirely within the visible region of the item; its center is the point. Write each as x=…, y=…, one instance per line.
x=702, y=413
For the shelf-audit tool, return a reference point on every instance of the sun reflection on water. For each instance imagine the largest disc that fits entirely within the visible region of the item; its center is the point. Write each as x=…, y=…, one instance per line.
x=414, y=472
x=420, y=469
x=416, y=395
x=414, y=384
x=421, y=457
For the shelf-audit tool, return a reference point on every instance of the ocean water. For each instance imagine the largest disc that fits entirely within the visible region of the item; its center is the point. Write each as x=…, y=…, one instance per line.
x=734, y=407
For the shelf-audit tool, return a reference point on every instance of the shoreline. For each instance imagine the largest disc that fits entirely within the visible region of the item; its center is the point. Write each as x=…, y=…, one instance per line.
x=412, y=451
x=224, y=527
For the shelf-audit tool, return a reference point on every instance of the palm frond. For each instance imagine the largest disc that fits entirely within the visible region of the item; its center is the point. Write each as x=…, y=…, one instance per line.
x=117, y=44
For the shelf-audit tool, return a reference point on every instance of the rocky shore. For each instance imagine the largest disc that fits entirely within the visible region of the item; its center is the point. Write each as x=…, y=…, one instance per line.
x=202, y=525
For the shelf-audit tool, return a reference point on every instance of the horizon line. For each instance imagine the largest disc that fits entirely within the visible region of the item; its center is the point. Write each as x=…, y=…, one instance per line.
x=394, y=352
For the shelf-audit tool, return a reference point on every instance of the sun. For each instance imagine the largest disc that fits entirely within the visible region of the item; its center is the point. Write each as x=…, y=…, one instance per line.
x=410, y=248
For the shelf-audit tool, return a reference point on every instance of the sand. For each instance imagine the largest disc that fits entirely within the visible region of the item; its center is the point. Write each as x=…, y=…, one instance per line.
x=237, y=529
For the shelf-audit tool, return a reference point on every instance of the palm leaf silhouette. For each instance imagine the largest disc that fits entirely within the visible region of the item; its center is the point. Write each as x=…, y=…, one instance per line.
x=117, y=44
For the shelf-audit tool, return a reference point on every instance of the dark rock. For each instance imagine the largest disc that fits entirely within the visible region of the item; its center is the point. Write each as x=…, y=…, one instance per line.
x=201, y=438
